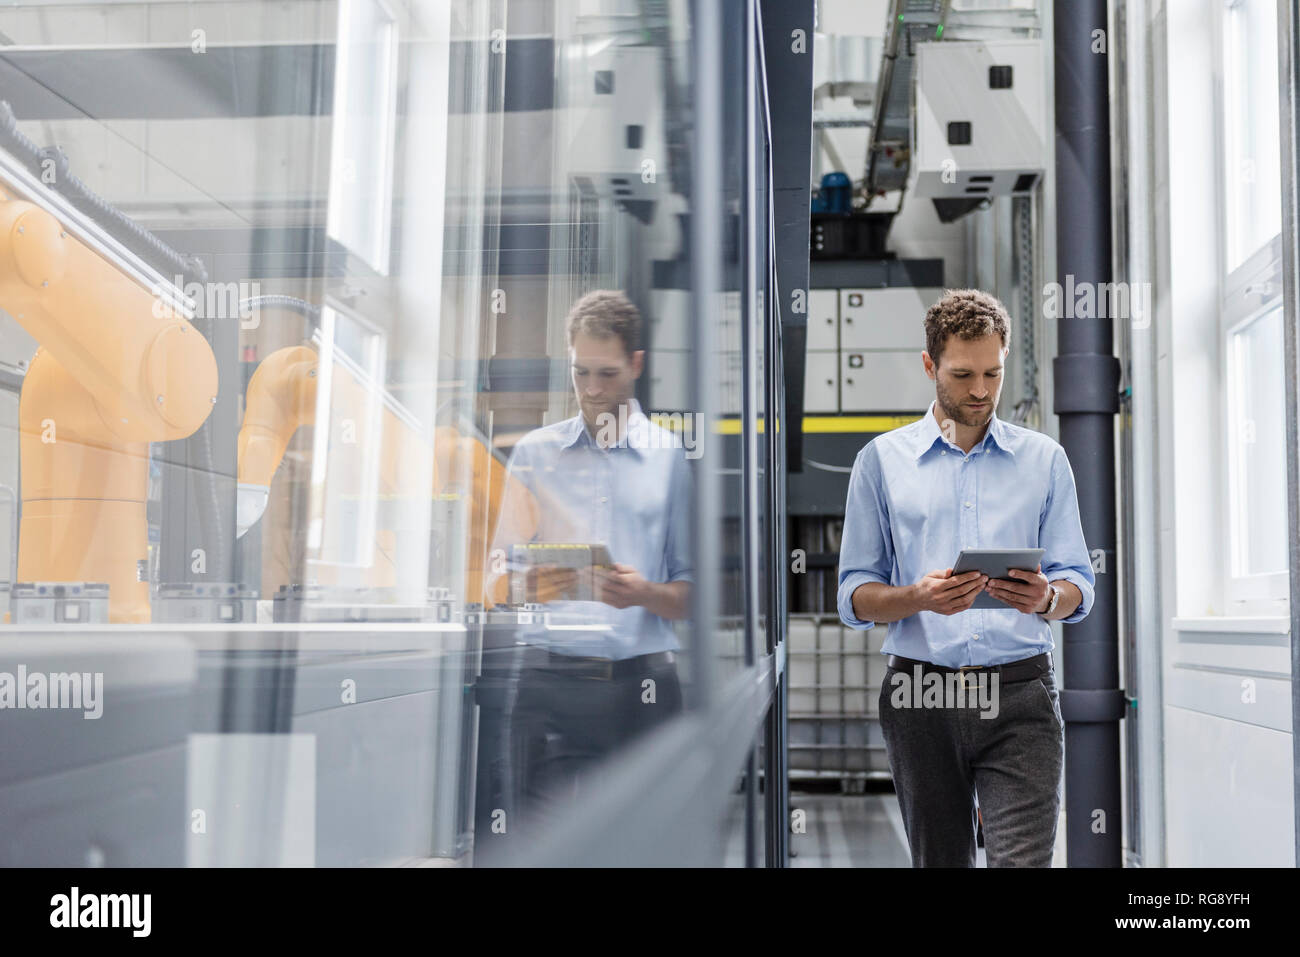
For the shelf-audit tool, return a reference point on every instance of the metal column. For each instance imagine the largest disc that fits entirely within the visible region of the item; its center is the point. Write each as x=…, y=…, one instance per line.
x=787, y=35
x=1288, y=37
x=1086, y=374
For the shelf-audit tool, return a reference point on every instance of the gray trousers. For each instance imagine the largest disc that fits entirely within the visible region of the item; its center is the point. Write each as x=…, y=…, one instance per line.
x=942, y=756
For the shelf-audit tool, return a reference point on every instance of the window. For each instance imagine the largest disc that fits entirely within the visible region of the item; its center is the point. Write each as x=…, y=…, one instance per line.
x=1252, y=172
x=1255, y=528
x=365, y=95
x=1257, y=428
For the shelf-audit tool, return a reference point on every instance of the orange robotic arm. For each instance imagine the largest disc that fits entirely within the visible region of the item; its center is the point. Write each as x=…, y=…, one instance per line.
x=282, y=396
x=152, y=376
x=496, y=503
x=117, y=369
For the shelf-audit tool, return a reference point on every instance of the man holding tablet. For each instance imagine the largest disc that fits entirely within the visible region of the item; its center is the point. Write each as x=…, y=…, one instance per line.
x=962, y=480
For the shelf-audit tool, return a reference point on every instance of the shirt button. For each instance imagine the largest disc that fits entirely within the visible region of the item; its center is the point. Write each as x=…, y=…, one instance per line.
x=943, y=451
x=603, y=500
x=976, y=637
x=969, y=505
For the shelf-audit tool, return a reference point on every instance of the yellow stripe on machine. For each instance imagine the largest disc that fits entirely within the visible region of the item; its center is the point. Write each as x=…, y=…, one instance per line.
x=832, y=423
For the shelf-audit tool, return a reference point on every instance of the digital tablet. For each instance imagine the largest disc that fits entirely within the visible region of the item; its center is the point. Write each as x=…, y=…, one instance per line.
x=996, y=563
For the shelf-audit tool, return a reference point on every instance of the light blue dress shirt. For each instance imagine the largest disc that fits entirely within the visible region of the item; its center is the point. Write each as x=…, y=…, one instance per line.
x=634, y=498
x=916, y=501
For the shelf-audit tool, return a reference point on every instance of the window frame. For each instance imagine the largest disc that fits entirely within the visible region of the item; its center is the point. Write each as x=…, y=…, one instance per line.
x=1246, y=293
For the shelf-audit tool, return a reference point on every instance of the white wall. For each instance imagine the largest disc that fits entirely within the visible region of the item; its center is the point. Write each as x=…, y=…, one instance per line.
x=1226, y=681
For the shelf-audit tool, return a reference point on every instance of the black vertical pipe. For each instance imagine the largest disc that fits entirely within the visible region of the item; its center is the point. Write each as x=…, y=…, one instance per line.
x=1087, y=400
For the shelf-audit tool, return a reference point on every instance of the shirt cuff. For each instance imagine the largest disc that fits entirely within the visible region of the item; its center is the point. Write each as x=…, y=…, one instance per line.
x=845, y=599
x=1085, y=589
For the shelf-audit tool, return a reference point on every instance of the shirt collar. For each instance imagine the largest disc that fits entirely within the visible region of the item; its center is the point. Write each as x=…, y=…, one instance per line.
x=1000, y=436
x=996, y=436
x=632, y=438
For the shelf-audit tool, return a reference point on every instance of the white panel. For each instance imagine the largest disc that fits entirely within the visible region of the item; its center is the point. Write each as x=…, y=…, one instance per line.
x=823, y=319
x=726, y=336
x=668, y=377
x=1228, y=793
x=801, y=634
x=668, y=322
x=1008, y=127
x=727, y=367
x=597, y=134
x=884, y=318
x=257, y=795
x=1250, y=698
x=884, y=382
x=821, y=386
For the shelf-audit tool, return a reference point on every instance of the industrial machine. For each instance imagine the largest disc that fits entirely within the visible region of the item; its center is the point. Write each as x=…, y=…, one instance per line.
x=121, y=365
x=981, y=118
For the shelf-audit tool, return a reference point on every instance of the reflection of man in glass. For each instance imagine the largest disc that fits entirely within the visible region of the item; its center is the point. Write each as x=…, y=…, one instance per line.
x=603, y=669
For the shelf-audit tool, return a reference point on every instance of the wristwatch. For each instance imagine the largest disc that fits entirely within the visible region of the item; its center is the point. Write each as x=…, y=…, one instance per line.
x=1056, y=600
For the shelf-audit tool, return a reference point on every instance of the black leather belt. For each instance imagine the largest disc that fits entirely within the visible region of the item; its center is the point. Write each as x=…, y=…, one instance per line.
x=1012, y=671
x=601, y=669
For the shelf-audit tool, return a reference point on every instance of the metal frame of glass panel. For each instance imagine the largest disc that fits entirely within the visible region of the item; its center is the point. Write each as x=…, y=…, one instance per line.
x=1288, y=33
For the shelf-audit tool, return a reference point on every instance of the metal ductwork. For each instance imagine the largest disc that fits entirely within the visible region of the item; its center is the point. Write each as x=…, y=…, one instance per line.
x=910, y=21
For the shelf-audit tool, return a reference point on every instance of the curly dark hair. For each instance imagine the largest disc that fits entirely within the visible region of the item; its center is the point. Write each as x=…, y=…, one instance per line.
x=967, y=313
x=605, y=314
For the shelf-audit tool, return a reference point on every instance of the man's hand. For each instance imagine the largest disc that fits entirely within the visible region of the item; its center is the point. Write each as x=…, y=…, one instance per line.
x=621, y=586
x=946, y=594
x=1028, y=593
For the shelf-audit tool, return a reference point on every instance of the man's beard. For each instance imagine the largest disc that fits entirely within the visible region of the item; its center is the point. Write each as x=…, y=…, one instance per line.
x=957, y=411
x=610, y=408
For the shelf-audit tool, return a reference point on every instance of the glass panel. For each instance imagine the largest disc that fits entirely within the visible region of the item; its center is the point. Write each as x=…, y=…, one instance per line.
x=372, y=470
x=762, y=319
x=594, y=549
x=1258, y=439
x=725, y=366
x=1252, y=174
x=257, y=467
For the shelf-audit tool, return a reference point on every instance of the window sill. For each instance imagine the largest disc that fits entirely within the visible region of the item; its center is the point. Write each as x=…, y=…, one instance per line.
x=1236, y=624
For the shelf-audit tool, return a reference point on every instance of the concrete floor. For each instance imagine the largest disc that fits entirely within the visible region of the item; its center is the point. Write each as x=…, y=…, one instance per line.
x=852, y=830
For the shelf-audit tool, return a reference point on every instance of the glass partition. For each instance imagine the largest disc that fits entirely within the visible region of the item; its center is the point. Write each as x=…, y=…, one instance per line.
x=355, y=428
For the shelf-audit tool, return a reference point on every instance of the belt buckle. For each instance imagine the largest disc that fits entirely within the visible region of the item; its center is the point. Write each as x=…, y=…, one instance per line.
x=965, y=671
